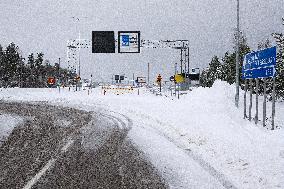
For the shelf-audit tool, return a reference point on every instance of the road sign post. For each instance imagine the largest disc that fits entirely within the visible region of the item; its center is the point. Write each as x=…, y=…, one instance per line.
x=159, y=81
x=250, y=98
x=273, y=105
x=256, y=101
x=264, y=103
x=245, y=99
x=257, y=65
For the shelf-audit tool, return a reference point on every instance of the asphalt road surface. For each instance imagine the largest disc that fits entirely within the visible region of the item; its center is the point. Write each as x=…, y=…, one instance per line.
x=60, y=147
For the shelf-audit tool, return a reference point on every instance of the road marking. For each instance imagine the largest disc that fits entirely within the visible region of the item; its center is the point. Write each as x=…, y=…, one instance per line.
x=47, y=166
x=65, y=148
x=35, y=179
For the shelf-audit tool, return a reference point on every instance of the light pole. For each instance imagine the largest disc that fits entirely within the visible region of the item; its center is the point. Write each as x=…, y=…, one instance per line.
x=148, y=74
x=238, y=56
x=79, y=39
x=79, y=63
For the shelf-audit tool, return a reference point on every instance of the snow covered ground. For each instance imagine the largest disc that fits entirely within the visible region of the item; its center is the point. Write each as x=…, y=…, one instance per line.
x=198, y=141
x=7, y=124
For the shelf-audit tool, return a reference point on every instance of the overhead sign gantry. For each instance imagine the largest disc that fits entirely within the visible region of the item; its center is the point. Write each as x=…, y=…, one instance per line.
x=127, y=42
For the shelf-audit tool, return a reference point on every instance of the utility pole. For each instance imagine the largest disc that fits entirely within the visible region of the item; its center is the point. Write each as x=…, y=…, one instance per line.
x=78, y=28
x=181, y=60
x=79, y=54
x=58, y=67
x=175, y=82
x=185, y=59
x=238, y=56
x=148, y=74
x=59, y=77
x=133, y=79
x=91, y=85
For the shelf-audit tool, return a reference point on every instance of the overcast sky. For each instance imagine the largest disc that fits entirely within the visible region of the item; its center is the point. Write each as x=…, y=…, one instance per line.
x=46, y=25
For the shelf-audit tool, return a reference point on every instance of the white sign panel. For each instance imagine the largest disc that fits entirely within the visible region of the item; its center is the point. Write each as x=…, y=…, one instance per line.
x=129, y=42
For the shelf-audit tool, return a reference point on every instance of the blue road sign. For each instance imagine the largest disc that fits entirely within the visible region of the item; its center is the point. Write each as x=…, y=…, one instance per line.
x=259, y=73
x=125, y=40
x=260, y=64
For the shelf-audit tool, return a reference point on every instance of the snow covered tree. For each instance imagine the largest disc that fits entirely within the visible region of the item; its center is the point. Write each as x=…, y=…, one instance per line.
x=228, y=71
x=279, y=80
x=11, y=62
x=204, y=78
x=31, y=66
x=214, y=69
x=14, y=71
x=264, y=44
x=39, y=69
x=31, y=61
x=211, y=74
x=229, y=68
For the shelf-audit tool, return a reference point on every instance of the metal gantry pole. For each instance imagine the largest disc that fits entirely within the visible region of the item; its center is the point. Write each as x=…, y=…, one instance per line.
x=133, y=79
x=175, y=81
x=237, y=55
x=79, y=55
x=184, y=49
x=59, y=79
x=148, y=74
x=181, y=61
x=188, y=60
x=185, y=61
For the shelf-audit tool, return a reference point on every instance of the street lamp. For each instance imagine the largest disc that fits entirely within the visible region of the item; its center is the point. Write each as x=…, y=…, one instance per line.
x=79, y=39
x=238, y=56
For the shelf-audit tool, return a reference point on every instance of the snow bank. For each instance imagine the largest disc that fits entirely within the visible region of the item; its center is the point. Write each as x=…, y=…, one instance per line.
x=202, y=127
x=7, y=124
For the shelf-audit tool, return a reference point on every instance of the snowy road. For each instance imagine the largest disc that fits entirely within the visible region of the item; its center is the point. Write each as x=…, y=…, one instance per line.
x=199, y=141
x=67, y=148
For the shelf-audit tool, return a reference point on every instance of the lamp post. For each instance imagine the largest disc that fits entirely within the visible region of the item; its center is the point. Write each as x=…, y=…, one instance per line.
x=79, y=39
x=79, y=64
x=238, y=56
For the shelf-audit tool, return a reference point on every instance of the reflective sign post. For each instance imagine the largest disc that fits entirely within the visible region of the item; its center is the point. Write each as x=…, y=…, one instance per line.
x=245, y=99
x=260, y=64
x=250, y=98
x=264, y=103
x=178, y=90
x=256, y=101
x=273, y=104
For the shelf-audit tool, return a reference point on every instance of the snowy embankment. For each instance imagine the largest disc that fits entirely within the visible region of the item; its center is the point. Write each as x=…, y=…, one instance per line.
x=199, y=141
x=7, y=124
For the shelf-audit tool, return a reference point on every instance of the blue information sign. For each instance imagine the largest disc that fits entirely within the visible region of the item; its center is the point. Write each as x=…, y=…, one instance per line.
x=125, y=40
x=259, y=73
x=260, y=64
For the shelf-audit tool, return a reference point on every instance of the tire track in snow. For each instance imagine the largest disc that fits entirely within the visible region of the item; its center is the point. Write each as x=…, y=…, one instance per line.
x=205, y=165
